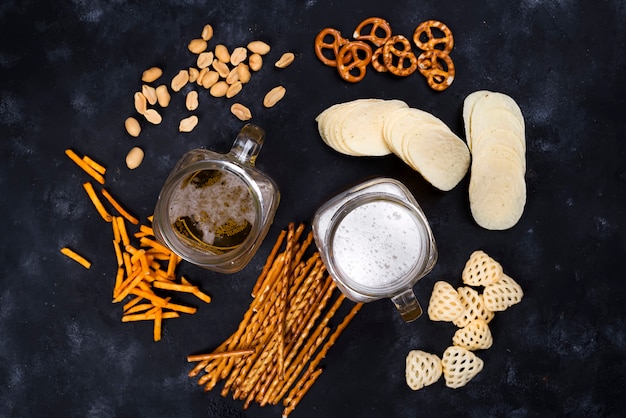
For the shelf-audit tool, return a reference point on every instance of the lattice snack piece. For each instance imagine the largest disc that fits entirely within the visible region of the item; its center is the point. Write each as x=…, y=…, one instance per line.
x=422, y=369
x=474, y=307
x=444, y=304
x=474, y=336
x=459, y=366
x=502, y=294
x=481, y=270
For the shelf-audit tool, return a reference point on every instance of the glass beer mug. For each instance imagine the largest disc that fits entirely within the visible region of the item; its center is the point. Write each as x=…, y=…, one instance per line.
x=214, y=209
x=376, y=243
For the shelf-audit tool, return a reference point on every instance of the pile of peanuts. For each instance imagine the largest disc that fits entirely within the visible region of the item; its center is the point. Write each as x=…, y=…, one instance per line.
x=220, y=71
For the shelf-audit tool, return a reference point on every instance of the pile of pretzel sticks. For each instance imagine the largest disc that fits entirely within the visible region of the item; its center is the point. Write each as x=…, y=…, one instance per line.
x=275, y=354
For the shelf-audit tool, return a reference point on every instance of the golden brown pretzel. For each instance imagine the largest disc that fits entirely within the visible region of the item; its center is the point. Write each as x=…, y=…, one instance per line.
x=322, y=45
x=352, y=60
x=426, y=40
x=376, y=23
x=395, y=59
x=437, y=67
x=377, y=62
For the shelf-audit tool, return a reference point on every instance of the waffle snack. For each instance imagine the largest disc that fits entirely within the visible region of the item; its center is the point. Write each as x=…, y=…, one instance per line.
x=481, y=270
x=444, y=304
x=474, y=336
x=459, y=366
x=422, y=369
x=502, y=294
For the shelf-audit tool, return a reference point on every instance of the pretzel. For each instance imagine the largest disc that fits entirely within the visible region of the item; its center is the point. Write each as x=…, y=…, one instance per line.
x=377, y=63
x=376, y=24
x=394, y=58
x=425, y=29
x=437, y=67
x=353, y=56
x=322, y=45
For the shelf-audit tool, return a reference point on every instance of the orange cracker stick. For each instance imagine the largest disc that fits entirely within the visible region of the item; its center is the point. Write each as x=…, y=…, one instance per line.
x=156, y=300
x=212, y=356
x=147, y=242
x=93, y=164
x=181, y=308
x=144, y=317
x=132, y=303
x=121, y=226
x=119, y=207
x=116, y=231
x=119, y=279
x=118, y=252
x=76, y=257
x=86, y=167
x=174, y=286
x=138, y=308
x=158, y=316
x=96, y=201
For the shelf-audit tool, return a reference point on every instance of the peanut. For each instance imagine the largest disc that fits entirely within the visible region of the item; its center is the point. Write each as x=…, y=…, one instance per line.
x=201, y=75
x=239, y=55
x=221, y=68
x=132, y=127
x=187, y=124
x=163, y=96
x=274, y=96
x=191, y=101
x=151, y=74
x=209, y=79
x=255, y=61
x=285, y=60
x=207, y=32
x=134, y=158
x=243, y=73
x=219, y=89
x=153, y=116
x=221, y=53
x=205, y=59
x=180, y=80
x=242, y=112
x=234, y=89
x=193, y=74
x=141, y=103
x=196, y=46
x=232, y=76
x=259, y=47
x=150, y=93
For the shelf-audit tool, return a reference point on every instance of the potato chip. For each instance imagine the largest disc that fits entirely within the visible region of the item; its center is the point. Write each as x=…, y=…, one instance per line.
x=494, y=129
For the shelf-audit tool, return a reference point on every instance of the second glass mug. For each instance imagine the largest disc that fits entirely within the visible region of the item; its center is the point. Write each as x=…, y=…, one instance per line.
x=376, y=243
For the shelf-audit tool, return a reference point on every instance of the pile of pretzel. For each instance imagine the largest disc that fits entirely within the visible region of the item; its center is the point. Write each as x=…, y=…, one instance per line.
x=275, y=354
x=375, y=44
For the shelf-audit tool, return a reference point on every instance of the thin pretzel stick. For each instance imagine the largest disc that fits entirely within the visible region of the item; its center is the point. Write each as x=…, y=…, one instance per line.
x=212, y=356
x=268, y=263
x=283, y=302
x=299, y=337
x=299, y=364
x=303, y=389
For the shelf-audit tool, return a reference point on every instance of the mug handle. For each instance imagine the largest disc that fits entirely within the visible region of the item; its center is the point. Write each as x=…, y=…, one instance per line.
x=408, y=306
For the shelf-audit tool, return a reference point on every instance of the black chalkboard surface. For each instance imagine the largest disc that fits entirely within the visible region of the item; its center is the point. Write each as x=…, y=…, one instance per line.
x=68, y=74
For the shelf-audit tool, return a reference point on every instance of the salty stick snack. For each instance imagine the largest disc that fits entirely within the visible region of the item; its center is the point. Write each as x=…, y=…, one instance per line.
x=285, y=333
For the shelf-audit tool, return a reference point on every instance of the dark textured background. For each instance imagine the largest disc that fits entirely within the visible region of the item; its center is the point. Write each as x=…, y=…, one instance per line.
x=68, y=71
